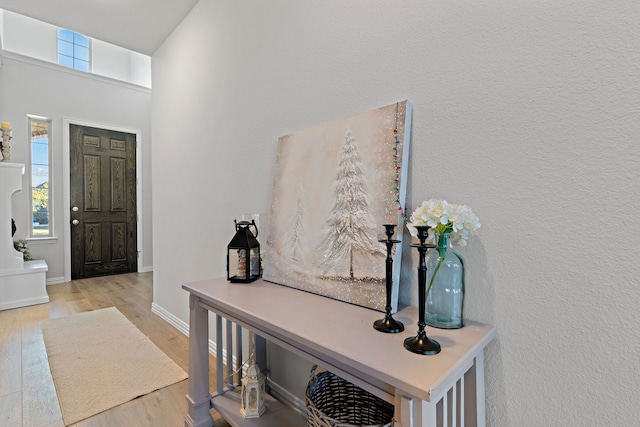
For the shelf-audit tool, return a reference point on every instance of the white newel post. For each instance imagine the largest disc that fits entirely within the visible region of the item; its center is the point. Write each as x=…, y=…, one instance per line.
x=10, y=183
x=21, y=283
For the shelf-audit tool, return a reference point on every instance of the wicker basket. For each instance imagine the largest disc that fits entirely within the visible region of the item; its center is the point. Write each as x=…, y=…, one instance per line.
x=334, y=402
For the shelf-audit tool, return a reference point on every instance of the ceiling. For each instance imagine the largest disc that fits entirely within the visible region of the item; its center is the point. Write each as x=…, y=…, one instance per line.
x=138, y=25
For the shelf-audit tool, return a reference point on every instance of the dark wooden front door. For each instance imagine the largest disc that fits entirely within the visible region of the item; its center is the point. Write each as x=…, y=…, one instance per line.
x=103, y=202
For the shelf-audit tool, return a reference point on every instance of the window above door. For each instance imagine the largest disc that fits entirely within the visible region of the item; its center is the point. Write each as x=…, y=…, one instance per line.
x=74, y=50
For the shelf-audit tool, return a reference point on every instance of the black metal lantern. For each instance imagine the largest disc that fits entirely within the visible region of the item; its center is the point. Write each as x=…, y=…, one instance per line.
x=243, y=254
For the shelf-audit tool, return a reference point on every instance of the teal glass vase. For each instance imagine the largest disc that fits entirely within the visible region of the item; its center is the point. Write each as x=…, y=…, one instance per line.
x=445, y=286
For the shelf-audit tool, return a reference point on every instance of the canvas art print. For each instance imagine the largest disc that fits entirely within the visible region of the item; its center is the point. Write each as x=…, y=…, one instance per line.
x=335, y=186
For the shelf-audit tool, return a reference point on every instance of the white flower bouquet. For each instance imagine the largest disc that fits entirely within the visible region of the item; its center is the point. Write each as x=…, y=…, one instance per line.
x=443, y=217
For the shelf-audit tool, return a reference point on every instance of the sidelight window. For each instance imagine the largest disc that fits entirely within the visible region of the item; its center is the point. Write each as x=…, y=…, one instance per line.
x=41, y=212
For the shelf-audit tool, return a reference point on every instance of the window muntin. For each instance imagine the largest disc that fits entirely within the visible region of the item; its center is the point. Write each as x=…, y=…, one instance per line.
x=74, y=50
x=40, y=170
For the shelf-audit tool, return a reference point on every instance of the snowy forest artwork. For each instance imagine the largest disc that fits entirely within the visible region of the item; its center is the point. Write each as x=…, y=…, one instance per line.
x=335, y=186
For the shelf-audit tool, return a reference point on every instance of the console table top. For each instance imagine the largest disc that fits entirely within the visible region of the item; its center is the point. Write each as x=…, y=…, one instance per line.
x=341, y=334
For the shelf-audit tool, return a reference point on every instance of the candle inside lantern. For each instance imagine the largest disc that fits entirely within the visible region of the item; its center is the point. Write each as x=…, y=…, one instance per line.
x=5, y=125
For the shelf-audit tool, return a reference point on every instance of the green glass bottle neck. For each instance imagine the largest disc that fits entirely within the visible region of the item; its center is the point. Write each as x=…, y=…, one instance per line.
x=443, y=243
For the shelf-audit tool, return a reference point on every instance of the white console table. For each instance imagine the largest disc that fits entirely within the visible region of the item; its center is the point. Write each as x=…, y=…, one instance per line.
x=427, y=391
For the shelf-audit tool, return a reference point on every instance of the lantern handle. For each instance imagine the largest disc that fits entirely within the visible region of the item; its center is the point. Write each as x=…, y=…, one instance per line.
x=246, y=224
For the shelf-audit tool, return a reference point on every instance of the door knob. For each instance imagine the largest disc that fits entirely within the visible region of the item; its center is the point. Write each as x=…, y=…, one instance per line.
x=75, y=222
x=75, y=209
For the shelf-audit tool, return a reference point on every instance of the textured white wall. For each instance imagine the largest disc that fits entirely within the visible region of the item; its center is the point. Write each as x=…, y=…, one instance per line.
x=526, y=111
x=1, y=32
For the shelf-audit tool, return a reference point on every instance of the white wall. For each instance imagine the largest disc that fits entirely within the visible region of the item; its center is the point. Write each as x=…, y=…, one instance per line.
x=1, y=32
x=37, y=39
x=119, y=63
x=30, y=37
x=35, y=87
x=109, y=60
x=526, y=111
x=139, y=69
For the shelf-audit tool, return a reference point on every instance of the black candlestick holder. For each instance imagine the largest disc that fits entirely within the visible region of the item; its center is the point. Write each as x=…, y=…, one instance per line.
x=389, y=325
x=421, y=344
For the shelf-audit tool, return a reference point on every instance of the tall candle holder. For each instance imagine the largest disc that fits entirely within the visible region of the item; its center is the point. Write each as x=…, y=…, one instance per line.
x=389, y=325
x=421, y=344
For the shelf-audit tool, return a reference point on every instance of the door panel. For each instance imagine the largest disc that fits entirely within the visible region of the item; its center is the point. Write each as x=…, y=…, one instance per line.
x=103, y=188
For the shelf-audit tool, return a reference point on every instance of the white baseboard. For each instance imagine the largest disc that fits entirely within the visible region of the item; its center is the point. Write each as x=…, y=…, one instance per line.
x=170, y=318
x=183, y=327
x=145, y=269
x=277, y=391
x=24, y=303
x=285, y=396
x=55, y=280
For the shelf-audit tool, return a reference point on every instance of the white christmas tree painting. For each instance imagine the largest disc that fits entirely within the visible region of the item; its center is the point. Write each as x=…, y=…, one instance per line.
x=295, y=234
x=349, y=227
x=335, y=185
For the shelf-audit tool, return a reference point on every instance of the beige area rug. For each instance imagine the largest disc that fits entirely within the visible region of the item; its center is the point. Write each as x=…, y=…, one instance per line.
x=99, y=360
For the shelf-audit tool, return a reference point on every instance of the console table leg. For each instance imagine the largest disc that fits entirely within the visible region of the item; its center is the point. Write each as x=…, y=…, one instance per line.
x=480, y=397
x=412, y=412
x=261, y=353
x=403, y=411
x=198, y=397
x=428, y=414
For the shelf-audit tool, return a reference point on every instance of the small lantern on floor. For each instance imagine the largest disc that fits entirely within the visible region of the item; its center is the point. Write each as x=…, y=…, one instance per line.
x=243, y=254
x=253, y=388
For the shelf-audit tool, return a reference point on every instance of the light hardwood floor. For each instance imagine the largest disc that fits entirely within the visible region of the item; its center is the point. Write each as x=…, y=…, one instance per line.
x=27, y=392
